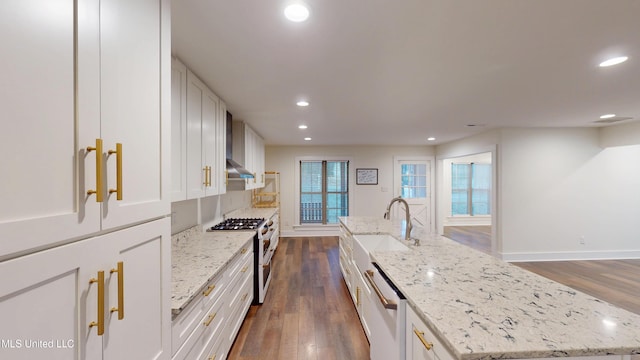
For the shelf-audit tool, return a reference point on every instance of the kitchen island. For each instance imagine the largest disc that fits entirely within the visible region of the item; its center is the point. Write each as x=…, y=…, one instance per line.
x=480, y=307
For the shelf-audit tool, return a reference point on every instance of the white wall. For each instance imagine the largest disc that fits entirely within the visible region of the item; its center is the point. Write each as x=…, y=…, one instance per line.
x=557, y=186
x=206, y=211
x=367, y=200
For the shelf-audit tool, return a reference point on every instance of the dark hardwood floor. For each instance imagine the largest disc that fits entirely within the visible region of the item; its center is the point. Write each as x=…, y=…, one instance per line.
x=307, y=313
x=477, y=237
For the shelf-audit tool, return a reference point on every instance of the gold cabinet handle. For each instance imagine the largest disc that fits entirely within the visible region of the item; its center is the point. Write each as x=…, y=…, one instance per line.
x=207, y=176
x=118, y=189
x=244, y=269
x=209, y=290
x=212, y=357
x=120, y=308
x=357, y=296
x=388, y=304
x=254, y=178
x=226, y=177
x=98, y=191
x=420, y=335
x=209, y=319
x=100, y=322
x=244, y=297
x=244, y=250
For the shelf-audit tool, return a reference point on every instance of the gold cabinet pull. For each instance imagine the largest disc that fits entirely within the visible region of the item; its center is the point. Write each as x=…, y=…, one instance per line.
x=98, y=191
x=420, y=335
x=209, y=290
x=100, y=322
x=118, y=189
x=357, y=296
x=244, y=269
x=207, y=176
x=244, y=250
x=226, y=177
x=254, y=178
x=120, y=308
x=244, y=297
x=212, y=357
x=210, y=319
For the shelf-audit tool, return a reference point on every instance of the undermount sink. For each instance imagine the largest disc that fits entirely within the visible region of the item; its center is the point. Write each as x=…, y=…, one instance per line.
x=364, y=244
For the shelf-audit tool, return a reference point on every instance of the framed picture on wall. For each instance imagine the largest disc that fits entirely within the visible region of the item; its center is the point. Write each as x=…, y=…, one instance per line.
x=366, y=176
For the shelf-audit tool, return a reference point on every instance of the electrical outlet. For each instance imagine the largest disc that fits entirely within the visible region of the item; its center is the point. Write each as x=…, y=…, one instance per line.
x=582, y=242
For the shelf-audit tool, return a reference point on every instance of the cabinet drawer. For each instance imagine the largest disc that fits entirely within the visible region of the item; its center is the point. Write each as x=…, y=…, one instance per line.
x=239, y=261
x=208, y=330
x=238, y=306
x=192, y=316
x=421, y=341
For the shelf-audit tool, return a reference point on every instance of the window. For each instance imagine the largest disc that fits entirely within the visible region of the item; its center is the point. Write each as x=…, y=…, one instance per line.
x=471, y=189
x=413, y=180
x=324, y=191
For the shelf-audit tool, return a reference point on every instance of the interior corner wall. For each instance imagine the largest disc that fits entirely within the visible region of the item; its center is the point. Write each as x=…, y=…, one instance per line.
x=366, y=200
x=565, y=197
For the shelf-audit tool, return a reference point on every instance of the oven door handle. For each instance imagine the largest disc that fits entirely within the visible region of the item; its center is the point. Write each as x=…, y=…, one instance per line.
x=388, y=304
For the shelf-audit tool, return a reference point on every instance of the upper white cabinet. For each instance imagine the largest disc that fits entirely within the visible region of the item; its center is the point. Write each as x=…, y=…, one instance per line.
x=198, y=137
x=248, y=150
x=84, y=138
x=178, y=130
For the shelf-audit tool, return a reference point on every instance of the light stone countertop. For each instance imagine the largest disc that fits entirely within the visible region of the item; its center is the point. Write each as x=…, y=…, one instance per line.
x=197, y=257
x=484, y=308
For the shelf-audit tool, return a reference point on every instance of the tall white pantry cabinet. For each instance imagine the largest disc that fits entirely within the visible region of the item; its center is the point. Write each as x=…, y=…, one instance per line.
x=84, y=196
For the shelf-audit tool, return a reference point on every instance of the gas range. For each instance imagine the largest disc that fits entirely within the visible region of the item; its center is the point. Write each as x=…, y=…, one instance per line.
x=238, y=224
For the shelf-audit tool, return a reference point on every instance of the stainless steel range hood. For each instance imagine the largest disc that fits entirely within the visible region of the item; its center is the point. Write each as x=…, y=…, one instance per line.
x=236, y=172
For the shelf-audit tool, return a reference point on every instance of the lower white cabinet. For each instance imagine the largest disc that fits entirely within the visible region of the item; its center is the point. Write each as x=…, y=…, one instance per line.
x=421, y=343
x=358, y=288
x=207, y=327
x=102, y=298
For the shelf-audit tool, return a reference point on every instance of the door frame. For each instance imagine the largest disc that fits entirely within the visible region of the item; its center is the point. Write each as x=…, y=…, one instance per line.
x=496, y=243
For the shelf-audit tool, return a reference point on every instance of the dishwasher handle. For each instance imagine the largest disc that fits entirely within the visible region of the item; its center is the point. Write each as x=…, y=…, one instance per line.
x=388, y=304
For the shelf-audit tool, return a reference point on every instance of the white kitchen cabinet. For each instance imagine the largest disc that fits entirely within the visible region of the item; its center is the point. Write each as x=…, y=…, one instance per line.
x=206, y=130
x=248, y=150
x=359, y=289
x=208, y=326
x=84, y=78
x=178, y=130
x=421, y=343
x=57, y=296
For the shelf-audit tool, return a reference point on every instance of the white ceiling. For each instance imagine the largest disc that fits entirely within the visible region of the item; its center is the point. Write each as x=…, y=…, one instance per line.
x=396, y=72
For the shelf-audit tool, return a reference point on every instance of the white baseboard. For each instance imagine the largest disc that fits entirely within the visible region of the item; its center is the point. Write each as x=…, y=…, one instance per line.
x=571, y=255
x=479, y=220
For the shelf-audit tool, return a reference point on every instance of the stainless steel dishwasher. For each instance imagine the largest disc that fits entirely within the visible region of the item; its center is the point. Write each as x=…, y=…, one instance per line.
x=388, y=317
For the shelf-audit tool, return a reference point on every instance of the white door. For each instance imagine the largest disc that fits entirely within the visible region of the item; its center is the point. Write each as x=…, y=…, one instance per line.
x=50, y=114
x=130, y=88
x=412, y=181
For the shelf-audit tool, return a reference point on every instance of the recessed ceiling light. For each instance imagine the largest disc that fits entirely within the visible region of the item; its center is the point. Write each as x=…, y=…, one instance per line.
x=607, y=116
x=307, y=139
x=302, y=126
x=614, y=61
x=296, y=12
x=431, y=139
x=302, y=103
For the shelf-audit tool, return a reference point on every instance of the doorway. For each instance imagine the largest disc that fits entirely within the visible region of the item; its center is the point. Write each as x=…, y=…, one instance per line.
x=467, y=200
